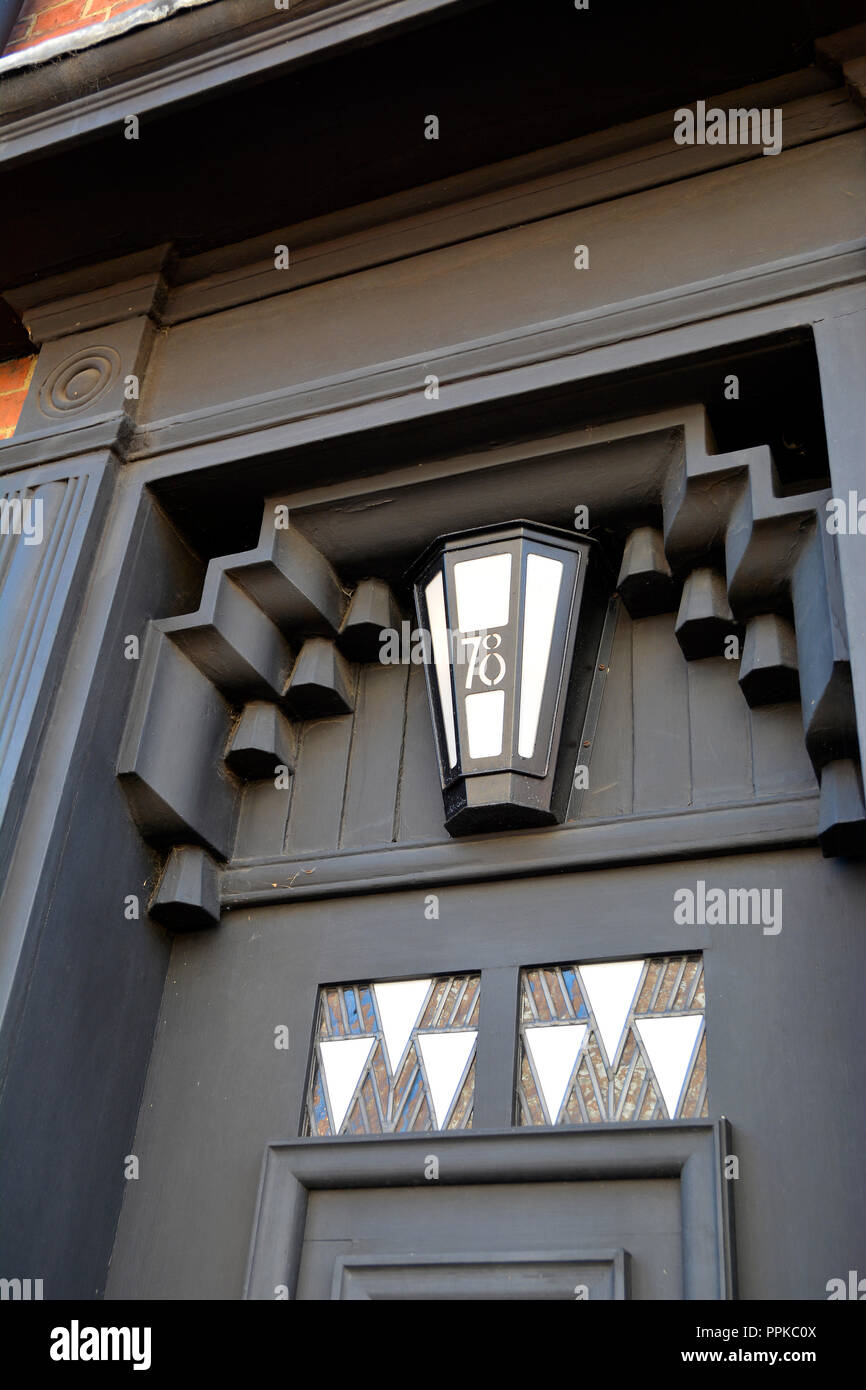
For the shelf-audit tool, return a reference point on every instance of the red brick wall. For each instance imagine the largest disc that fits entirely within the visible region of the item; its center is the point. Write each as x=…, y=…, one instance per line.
x=47, y=19
x=14, y=381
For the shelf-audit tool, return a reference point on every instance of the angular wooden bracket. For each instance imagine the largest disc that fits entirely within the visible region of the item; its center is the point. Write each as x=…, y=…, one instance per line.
x=842, y=814
x=263, y=740
x=187, y=896
x=704, y=620
x=645, y=584
x=768, y=670
x=321, y=682
x=372, y=610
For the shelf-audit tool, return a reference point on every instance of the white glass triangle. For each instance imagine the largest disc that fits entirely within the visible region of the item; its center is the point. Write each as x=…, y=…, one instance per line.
x=343, y=1060
x=435, y=596
x=669, y=1043
x=543, y=578
x=485, y=718
x=554, y=1050
x=445, y=1056
x=610, y=988
x=398, y=1005
x=483, y=592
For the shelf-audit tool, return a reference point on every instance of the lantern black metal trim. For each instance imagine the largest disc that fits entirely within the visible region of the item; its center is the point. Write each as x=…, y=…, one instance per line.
x=512, y=789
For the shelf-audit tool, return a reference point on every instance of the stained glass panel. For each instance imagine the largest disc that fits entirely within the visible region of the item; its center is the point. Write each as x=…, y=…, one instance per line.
x=394, y=1057
x=618, y=1040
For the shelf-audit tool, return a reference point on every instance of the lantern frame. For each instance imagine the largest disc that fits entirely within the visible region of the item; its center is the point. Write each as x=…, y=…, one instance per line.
x=526, y=780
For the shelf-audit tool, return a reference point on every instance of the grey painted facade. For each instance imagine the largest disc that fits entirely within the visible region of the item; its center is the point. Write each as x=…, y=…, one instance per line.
x=558, y=387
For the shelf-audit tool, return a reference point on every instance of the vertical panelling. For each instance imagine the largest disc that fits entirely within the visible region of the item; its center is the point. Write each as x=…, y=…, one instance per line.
x=611, y=765
x=319, y=786
x=374, y=767
x=264, y=811
x=419, y=810
x=670, y=734
x=780, y=763
x=662, y=771
x=720, y=734
x=36, y=572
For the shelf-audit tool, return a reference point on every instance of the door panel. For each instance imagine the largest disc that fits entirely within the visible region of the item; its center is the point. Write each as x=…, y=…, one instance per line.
x=507, y=1275
x=506, y=1240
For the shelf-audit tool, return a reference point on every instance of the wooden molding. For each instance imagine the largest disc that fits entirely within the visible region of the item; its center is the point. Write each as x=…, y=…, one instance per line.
x=753, y=826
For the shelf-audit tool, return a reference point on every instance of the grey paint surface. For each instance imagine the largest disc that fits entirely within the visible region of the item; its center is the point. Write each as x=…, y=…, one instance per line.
x=85, y=995
x=723, y=223
x=218, y=1091
x=496, y=1220
x=758, y=249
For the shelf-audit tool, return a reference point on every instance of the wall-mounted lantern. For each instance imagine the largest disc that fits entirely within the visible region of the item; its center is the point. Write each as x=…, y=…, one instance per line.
x=514, y=616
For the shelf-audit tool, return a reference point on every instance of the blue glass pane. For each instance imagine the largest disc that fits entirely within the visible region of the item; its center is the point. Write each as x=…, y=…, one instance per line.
x=570, y=979
x=352, y=1011
x=411, y=1101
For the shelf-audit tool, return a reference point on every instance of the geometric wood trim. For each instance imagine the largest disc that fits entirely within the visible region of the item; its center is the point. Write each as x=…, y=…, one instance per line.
x=761, y=555
x=722, y=520
x=692, y=1152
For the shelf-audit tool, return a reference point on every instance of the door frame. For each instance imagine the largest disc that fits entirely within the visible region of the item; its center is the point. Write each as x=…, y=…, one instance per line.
x=694, y=1152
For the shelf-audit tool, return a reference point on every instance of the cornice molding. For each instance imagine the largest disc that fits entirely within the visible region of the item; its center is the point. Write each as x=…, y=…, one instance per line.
x=94, y=32
x=538, y=356
x=297, y=39
x=262, y=424
x=92, y=296
x=631, y=158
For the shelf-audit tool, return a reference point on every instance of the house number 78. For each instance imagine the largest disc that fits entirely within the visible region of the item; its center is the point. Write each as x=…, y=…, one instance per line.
x=483, y=654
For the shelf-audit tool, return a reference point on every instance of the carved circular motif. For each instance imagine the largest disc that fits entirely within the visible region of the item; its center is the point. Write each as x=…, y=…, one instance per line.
x=78, y=381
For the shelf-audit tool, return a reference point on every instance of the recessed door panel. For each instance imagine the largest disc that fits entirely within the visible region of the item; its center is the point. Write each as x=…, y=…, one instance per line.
x=561, y=1240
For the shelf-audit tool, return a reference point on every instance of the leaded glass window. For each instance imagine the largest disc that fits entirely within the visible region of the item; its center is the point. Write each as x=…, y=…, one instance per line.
x=394, y=1057
x=620, y=1040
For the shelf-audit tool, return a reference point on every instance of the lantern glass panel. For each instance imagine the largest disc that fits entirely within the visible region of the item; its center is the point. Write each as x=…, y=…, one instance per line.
x=543, y=581
x=485, y=721
x=435, y=597
x=483, y=592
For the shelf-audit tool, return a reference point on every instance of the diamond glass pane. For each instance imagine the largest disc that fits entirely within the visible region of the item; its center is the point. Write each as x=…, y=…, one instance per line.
x=394, y=1057
x=632, y=1042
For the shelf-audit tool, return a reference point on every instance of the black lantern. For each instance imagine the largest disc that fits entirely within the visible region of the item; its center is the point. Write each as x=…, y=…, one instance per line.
x=512, y=618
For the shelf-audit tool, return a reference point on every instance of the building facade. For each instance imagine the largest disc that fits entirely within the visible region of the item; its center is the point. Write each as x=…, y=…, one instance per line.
x=337, y=963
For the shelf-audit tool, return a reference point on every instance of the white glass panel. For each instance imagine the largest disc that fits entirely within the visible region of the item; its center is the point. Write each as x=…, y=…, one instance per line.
x=669, y=1043
x=483, y=592
x=543, y=580
x=610, y=989
x=554, y=1052
x=445, y=1056
x=398, y=1004
x=343, y=1060
x=435, y=596
x=485, y=716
